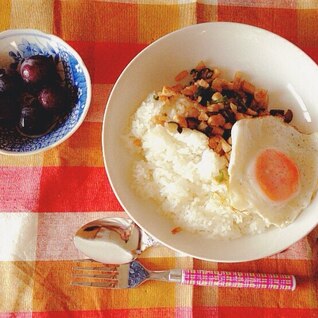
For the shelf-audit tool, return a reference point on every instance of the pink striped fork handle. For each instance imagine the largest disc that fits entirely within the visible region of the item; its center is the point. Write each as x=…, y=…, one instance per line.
x=237, y=279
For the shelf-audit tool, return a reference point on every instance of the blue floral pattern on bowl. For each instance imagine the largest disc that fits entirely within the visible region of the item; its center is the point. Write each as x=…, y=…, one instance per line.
x=72, y=71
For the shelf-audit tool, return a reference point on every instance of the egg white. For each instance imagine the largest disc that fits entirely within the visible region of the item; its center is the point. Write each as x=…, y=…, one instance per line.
x=249, y=137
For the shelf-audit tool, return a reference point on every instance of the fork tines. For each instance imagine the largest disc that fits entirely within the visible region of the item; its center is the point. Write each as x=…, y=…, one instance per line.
x=101, y=275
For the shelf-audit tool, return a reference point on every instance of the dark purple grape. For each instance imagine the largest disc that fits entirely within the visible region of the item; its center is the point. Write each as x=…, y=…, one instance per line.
x=27, y=99
x=38, y=69
x=54, y=99
x=32, y=98
x=8, y=110
x=34, y=120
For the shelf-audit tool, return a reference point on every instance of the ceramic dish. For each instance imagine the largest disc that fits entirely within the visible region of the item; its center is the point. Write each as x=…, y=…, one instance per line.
x=269, y=61
x=16, y=45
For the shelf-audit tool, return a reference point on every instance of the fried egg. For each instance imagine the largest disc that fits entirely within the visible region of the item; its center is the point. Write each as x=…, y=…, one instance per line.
x=273, y=169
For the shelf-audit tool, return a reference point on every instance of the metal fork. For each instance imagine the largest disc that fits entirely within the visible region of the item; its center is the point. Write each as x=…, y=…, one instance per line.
x=133, y=274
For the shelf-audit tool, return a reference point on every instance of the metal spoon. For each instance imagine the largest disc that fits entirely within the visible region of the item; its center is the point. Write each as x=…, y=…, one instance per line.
x=114, y=240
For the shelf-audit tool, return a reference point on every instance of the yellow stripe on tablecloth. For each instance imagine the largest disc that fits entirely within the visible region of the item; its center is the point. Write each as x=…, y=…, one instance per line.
x=83, y=148
x=16, y=290
x=5, y=15
x=205, y=296
x=184, y=294
x=32, y=14
x=281, y=4
x=307, y=4
x=158, y=293
x=22, y=161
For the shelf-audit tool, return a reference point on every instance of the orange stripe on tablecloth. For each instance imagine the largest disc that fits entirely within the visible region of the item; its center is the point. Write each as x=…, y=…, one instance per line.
x=307, y=26
x=5, y=15
x=82, y=149
x=109, y=21
x=100, y=94
x=304, y=296
x=280, y=21
x=206, y=12
x=156, y=20
x=52, y=291
x=68, y=189
x=32, y=14
x=104, y=60
x=120, y=22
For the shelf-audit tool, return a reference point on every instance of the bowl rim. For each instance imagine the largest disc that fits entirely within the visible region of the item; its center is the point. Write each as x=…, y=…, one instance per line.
x=31, y=31
x=107, y=168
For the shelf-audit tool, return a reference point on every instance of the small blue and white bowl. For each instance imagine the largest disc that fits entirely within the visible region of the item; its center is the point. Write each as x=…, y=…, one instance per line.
x=18, y=44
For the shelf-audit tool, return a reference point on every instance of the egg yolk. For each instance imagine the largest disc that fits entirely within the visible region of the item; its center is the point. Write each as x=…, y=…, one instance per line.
x=276, y=174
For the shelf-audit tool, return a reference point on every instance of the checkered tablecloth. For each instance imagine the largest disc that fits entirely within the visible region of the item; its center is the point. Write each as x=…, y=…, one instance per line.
x=45, y=198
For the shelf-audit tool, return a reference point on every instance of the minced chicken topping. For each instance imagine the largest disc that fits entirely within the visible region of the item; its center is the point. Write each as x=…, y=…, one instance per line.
x=216, y=104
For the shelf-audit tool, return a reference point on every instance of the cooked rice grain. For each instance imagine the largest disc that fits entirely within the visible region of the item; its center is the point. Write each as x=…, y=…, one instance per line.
x=182, y=174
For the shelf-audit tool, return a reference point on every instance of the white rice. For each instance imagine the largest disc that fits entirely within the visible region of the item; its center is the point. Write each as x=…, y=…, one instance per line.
x=179, y=171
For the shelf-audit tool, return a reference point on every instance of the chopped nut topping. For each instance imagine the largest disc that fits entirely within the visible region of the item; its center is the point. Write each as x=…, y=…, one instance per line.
x=137, y=142
x=181, y=76
x=176, y=230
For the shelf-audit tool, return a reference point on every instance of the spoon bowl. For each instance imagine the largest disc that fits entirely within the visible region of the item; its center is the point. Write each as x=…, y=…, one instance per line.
x=114, y=240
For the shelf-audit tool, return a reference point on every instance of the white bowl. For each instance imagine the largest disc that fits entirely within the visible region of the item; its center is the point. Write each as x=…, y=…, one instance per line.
x=17, y=44
x=269, y=61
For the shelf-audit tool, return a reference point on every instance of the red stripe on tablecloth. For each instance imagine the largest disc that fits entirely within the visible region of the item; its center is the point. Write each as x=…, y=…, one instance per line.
x=67, y=189
x=272, y=19
x=250, y=312
x=16, y=315
x=19, y=188
x=114, y=313
x=199, y=312
x=312, y=52
x=105, y=61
